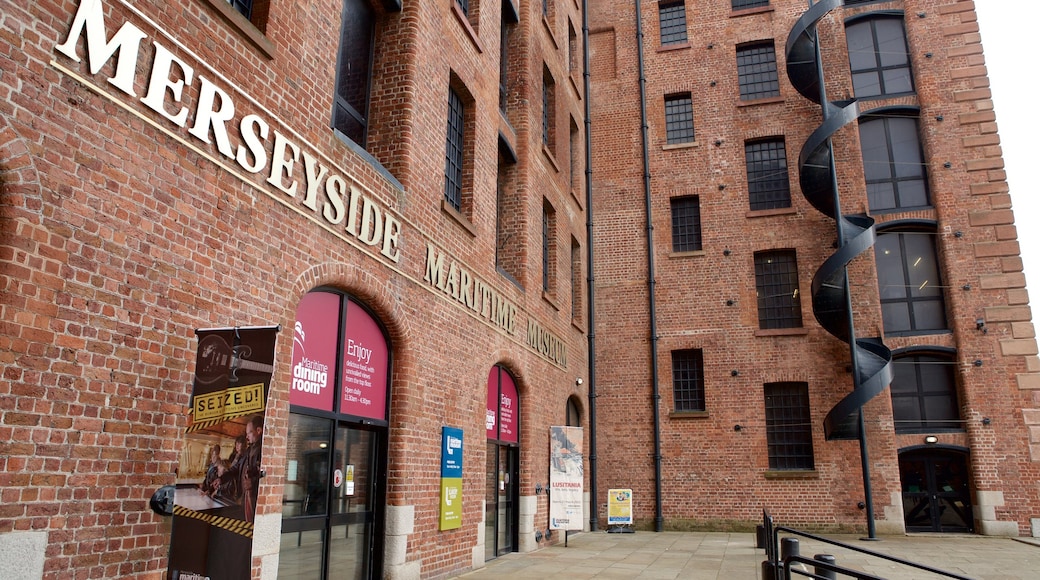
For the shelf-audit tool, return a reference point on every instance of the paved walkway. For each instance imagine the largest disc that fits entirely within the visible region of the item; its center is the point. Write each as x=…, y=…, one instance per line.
x=719, y=555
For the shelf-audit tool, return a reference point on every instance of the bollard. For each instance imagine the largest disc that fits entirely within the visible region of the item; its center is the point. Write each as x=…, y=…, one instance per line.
x=760, y=536
x=788, y=548
x=822, y=572
x=769, y=570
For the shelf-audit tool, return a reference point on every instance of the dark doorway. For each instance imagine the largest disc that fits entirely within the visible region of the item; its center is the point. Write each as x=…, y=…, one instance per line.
x=501, y=517
x=502, y=489
x=936, y=495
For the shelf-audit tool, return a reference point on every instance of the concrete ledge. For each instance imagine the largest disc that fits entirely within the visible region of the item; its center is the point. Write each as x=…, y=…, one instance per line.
x=267, y=535
x=477, y=562
x=409, y=571
x=269, y=567
x=989, y=528
x=22, y=555
x=400, y=520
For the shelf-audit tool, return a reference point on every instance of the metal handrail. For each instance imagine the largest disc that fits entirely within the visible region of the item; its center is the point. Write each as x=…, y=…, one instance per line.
x=820, y=565
x=773, y=554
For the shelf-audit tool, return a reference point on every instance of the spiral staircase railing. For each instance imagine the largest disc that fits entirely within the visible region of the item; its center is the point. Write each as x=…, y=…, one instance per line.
x=832, y=307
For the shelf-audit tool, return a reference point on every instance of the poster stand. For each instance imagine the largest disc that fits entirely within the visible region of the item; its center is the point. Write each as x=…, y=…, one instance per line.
x=619, y=511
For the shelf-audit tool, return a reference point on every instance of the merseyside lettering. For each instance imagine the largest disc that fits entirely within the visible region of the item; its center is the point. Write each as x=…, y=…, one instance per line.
x=297, y=173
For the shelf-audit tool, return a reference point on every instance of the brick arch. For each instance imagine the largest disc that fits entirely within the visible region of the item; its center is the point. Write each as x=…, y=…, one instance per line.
x=376, y=294
x=359, y=283
x=21, y=194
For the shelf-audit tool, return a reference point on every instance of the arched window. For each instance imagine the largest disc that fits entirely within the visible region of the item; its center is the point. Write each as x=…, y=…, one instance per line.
x=893, y=162
x=573, y=412
x=878, y=56
x=912, y=298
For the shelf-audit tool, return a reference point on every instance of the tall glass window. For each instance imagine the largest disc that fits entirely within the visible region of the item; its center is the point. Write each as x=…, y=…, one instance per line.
x=878, y=57
x=776, y=282
x=756, y=71
x=454, y=150
x=924, y=393
x=893, y=163
x=768, y=185
x=912, y=298
x=354, y=71
x=788, y=426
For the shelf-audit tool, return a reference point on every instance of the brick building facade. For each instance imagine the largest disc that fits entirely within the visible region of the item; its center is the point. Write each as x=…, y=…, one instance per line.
x=167, y=167
x=409, y=178
x=734, y=330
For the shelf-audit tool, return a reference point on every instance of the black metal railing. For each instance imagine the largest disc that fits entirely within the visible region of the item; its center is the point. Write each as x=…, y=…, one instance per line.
x=782, y=555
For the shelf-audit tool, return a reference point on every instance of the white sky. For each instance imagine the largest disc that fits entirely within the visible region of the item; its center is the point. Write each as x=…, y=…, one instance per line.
x=1007, y=27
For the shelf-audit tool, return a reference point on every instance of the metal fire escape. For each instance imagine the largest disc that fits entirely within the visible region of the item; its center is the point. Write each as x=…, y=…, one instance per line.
x=831, y=301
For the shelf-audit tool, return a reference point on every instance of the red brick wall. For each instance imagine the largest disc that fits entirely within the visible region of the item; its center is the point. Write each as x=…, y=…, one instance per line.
x=711, y=472
x=117, y=240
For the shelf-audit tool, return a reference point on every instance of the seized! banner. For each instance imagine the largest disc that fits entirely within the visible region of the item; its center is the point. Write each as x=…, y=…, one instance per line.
x=219, y=472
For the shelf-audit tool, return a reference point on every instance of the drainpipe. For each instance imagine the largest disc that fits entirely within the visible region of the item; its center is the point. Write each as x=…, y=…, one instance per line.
x=651, y=273
x=591, y=279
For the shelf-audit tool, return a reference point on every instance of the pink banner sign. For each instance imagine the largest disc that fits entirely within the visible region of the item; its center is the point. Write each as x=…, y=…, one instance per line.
x=508, y=410
x=503, y=407
x=314, y=351
x=365, y=359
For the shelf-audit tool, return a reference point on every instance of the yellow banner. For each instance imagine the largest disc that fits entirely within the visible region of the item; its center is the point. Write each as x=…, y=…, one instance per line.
x=235, y=401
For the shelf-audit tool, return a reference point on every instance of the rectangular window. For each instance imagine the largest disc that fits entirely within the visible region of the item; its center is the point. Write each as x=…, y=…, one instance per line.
x=878, y=57
x=912, y=296
x=509, y=250
x=503, y=64
x=742, y=4
x=548, y=110
x=548, y=248
x=573, y=52
x=454, y=150
x=672, y=16
x=768, y=186
x=575, y=157
x=893, y=163
x=576, y=277
x=678, y=118
x=255, y=11
x=243, y=7
x=924, y=394
x=756, y=71
x=776, y=282
x=788, y=426
x=688, y=379
x=686, y=223
x=353, y=72
x=464, y=6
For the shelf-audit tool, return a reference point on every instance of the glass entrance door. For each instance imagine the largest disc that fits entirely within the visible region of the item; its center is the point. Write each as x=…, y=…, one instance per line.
x=330, y=505
x=936, y=497
x=501, y=516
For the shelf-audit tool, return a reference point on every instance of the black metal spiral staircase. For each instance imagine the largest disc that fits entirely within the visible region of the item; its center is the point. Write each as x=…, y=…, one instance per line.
x=871, y=360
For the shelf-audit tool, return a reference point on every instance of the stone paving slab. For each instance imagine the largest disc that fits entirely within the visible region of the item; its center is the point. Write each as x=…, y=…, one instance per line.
x=732, y=556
